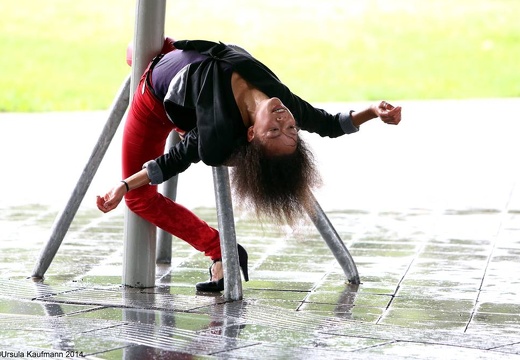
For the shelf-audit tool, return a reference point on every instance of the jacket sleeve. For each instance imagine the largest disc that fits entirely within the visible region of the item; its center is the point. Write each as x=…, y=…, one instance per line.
x=317, y=120
x=178, y=158
x=307, y=116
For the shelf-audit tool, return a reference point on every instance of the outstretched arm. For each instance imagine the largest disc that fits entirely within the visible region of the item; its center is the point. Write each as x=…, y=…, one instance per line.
x=114, y=196
x=387, y=113
x=176, y=160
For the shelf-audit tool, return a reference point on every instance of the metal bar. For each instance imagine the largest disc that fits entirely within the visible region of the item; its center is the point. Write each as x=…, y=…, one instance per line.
x=140, y=235
x=336, y=245
x=163, y=253
x=64, y=219
x=228, y=242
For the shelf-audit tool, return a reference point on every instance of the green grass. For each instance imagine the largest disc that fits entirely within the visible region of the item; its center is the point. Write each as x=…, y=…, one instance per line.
x=70, y=55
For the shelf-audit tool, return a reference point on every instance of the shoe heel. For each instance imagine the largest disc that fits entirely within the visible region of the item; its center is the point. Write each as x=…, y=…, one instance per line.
x=242, y=261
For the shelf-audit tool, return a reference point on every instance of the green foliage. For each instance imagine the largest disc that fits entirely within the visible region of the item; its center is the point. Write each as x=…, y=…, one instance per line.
x=71, y=55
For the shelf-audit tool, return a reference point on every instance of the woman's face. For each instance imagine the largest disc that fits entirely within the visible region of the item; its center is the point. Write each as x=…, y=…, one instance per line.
x=274, y=127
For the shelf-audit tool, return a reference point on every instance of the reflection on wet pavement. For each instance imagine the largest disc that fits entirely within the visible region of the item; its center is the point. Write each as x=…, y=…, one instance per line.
x=425, y=285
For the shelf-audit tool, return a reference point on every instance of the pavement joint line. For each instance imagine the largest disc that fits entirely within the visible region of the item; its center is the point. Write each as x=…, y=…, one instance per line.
x=59, y=293
x=115, y=348
x=84, y=311
x=419, y=250
x=165, y=336
x=421, y=336
x=375, y=346
x=501, y=346
x=91, y=224
x=496, y=238
x=224, y=351
x=272, y=250
x=317, y=284
x=114, y=326
x=279, y=290
x=72, y=302
x=32, y=220
x=175, y=263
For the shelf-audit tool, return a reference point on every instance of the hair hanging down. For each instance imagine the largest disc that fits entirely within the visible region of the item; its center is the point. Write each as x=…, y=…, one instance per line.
x=277, y=187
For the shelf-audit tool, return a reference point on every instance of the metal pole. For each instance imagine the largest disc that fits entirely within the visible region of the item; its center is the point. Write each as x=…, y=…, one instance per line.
x=335, y=243
x=228, y=243
x=64, y=219
x=140, y=235
x=163, y=253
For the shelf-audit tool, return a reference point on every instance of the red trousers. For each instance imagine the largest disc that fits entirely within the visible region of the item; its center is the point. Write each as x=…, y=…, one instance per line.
x=146, y=130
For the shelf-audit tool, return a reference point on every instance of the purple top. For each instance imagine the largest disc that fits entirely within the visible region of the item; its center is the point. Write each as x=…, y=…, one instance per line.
x=169, y=66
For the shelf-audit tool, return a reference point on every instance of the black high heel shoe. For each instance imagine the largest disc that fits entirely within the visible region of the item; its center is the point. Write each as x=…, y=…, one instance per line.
x=218, y=285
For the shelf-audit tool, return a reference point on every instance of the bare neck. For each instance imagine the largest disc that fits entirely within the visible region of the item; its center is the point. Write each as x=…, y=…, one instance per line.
x=247, y=98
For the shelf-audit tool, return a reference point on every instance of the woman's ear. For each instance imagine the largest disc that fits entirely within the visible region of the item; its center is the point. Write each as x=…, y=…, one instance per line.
x=250, y=134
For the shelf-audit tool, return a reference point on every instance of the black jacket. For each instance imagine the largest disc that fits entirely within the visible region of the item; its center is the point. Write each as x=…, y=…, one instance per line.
x=205, y=89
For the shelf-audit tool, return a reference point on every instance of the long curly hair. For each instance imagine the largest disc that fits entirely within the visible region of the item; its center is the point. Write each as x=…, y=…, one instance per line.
x=275, y=187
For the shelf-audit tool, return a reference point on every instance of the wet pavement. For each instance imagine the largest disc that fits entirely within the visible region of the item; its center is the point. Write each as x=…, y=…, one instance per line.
x=429, y=210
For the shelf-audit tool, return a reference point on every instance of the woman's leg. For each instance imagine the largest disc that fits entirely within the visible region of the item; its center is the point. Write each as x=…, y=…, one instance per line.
x=144, y=138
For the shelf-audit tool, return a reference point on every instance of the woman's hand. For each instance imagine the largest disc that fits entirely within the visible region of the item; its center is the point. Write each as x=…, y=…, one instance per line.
x=111, y=199
x=115, y=195
x=388, y=113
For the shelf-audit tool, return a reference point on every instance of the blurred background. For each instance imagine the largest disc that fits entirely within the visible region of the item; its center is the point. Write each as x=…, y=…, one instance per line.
x=69, y=56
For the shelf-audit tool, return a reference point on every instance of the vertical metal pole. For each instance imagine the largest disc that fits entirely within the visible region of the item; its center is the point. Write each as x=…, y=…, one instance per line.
x=336, y=245
x=64, y=219
x=163, y=253
x=140, y=236
x=228, y=242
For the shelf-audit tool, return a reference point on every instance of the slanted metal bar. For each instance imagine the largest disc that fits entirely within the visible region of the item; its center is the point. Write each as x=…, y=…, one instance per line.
x=64, y=219
x=228, y=243
x=163, y=254
x=139, y=235
x=336, y=245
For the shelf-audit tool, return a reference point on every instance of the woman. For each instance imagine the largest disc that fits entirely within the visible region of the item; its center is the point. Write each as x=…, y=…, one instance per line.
x=229, y=109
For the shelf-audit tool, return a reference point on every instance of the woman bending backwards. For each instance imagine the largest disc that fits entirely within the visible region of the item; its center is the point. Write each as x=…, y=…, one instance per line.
x=229, y=109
